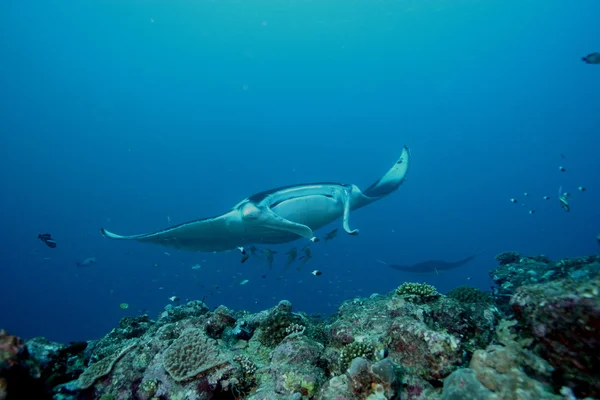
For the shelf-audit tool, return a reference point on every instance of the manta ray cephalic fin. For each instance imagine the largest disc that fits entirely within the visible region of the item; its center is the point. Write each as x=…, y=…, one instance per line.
x=346, y=217
x=275, y=221
x=264, y=216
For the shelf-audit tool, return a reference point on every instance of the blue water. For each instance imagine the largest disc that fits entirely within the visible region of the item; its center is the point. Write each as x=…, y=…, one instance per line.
x=126, y=115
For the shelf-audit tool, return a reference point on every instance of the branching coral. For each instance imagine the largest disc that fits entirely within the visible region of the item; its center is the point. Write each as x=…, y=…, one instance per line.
x=275, y=328
x=355, y=350
x=417, y=292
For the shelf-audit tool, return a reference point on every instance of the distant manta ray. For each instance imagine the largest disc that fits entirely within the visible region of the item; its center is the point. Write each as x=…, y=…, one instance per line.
x=431, y=265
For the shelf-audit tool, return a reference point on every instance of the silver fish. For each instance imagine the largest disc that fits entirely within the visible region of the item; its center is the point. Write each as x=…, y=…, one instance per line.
x=87, y=262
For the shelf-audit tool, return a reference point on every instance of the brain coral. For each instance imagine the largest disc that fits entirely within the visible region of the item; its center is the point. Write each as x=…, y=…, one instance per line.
x=191, y=354
x=103, y=367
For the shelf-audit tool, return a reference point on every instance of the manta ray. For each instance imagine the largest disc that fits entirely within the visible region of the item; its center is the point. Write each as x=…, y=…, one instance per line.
x=432, y=265
x=276, y=216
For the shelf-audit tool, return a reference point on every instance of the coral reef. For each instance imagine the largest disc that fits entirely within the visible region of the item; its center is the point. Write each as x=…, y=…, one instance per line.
x=536, y=337
x=498, y=372
x=467, y=294
x=563, y=318
x=538, y=269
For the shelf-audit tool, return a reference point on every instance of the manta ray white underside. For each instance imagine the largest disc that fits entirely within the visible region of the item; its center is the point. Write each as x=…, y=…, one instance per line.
x=276, y=216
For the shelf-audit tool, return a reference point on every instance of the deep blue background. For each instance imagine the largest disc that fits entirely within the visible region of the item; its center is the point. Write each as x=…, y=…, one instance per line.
x=119, y=114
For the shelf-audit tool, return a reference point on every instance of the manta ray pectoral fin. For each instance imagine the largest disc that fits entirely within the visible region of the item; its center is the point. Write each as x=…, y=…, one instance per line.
x=265, y=217
x=392, y=179
x=346, y=218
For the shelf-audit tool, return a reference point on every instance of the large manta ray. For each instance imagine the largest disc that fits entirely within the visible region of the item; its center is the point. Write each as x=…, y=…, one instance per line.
x=276, y=216
x=432, y=265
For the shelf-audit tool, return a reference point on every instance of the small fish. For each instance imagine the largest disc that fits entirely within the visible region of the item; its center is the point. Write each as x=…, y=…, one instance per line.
x=87, y=262
x=174, y=298
x=532, y=211
x=197, y=266
x=331, y=235
x=525, y=194
x=305, y=258
x=245, y=255
x=564, y=203
x=47, y=239
x=513, y=201
x=168, y=220
x=292, y=254
x=167, y=254
x=598, y=239
x=270, y=254
x=244, y=282
x=562, y=198
x=581, y=189
x=562, y=169
x=123, y=306
x=316, y=272
x=382, y=353
x=546, y=197
x=592, y=58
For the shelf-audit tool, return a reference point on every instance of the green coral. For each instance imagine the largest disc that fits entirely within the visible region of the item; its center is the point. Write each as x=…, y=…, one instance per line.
x=468, y=294
x=355, y=350
x=297, y=384
x=417, y=292
x=149, y=388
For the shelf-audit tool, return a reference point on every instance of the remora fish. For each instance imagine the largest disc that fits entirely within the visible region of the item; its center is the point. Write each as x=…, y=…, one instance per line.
x=331, y=235
x=270, y=254
x=292, y=254
x=305, y=258
x=277, y=216
x=432, y=265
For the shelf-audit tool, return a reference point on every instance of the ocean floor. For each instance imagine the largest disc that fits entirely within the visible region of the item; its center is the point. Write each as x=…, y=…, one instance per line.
x=536, y=336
